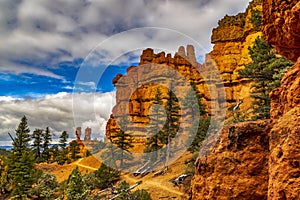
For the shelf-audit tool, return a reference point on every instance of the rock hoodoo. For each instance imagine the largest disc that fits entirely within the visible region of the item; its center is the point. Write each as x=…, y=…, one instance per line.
x=136, y=89
x=230, y=53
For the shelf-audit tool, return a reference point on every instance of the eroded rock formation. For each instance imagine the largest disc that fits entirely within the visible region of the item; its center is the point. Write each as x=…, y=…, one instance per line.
x=230, y=54
x=231, y=39
x=284, y=160
x=281, y=26
x=274, y=170
x=237, y=167
x=137, y=88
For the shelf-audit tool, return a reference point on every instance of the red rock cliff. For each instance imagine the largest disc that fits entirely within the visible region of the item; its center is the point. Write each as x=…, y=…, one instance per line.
x=261, y=160
x=137, y=88
x=281, y=26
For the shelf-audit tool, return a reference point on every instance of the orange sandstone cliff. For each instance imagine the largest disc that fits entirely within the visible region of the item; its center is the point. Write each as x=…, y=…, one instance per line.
x=284, y=160
x=281, y=26
x=261, y=160
x=230, y=53
x=135, y=91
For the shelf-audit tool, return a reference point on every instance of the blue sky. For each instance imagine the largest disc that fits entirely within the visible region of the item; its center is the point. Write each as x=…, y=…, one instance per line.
x=27, y=85
x=44, y=43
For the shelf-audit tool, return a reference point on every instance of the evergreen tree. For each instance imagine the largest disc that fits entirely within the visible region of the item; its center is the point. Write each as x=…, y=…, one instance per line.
x=171, y=124
x=21, y=142
x=63, y=139
x=4, y=177
x=98, y=147
x=46, y=145
x=201, y=127
x=109, y=155
x=76, y=188
x=75, y=150
x=21, y=162
x=37, y=144
x=123, y=191
x=122, y=140
x=103, y=178
x=156, y=124
x=256, y=18
x=193, y=103
x=141, y=195
x=266, y=70
x=194, y=108
x=54, y=152
x=63, y=154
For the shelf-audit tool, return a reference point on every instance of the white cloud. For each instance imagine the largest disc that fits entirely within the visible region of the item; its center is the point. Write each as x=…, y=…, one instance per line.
x=46, y=32
x=8, y=99
x=43, y=33
x=59, y=111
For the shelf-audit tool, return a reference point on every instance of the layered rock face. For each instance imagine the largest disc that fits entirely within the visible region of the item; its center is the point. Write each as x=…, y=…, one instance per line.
x=284, y=161
x=136, y=89
x=287, y=96
x=257, y=160
x=231, y=39
x=281, y=26
x=277, y=173
x=237, y=167
x=221, y=68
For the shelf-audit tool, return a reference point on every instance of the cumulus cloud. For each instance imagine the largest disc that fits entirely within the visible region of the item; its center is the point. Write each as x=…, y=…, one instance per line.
x=46, y=32
x=37, y=35
x=59, y=112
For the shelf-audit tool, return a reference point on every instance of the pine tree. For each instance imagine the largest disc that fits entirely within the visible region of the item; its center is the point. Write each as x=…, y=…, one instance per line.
x=109, y=155
x=123, y=191
x=4, y=177
x=63, y=139
x=122, y=140
x=63, y=154
x=54, y=152
x=157, y=115
x=105, y=177
x=47, y=140
x=171, y=125
x=21, y=142
x=75, y=150
x=192, y=102
x=141, y=195
x=37, y=144
x=76, y=188
x=194, y=108
x=266, y=70
x=201, y=127
x=21, y=162
x=256, y=18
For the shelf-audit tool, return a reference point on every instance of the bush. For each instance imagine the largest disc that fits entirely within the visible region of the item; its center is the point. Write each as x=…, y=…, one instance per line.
x=45, y=187
x=256, y=18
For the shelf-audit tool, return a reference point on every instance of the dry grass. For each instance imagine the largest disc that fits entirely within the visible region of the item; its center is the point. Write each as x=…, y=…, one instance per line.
x=158, y=186
x=161, y=186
